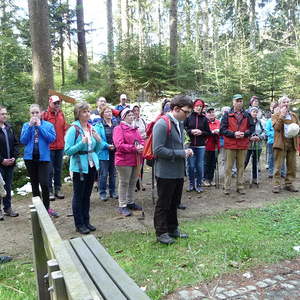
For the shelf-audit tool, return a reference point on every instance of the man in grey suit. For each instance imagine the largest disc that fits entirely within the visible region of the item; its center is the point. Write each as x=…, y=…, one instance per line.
x=169, y=168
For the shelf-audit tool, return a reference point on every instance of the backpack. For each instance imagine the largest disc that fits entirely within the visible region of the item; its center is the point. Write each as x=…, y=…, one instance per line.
x=148, y=148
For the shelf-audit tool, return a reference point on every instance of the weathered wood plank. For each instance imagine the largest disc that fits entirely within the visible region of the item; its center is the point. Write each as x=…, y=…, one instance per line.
x=91, y=286
x=59, y=291
x=101, y=279
x=39, y=255
x=117, y=274
x=71, y=275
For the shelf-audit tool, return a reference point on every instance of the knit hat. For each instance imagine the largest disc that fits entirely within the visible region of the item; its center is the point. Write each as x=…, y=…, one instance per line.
x=125, y=112
x=53, y=99
x=237, y=96
x=253, y=108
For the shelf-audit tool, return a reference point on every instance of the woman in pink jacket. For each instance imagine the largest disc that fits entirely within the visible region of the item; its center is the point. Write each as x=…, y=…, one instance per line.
x=128, y=157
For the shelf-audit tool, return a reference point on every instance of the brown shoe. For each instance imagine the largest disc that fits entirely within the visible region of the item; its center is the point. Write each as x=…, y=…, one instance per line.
x=291, y=188
x=276, y=189
x=9, y=212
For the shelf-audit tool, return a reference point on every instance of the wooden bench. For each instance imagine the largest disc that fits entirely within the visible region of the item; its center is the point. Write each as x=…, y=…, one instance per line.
x=77, y=269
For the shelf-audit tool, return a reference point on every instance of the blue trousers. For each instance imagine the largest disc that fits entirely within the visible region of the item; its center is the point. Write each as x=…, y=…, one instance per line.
x=196, y=166
x=107, y=170
x=82, y=191
x=7, y=174
x=55, y=169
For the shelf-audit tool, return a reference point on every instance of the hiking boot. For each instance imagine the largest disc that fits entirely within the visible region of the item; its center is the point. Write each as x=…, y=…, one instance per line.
x=53, y=213
x=114, y=196
x=90, y=227
x=5, y=259
x=82, y=229
x=124, y=211
x=291, y=188
x=276, y=189
x=165, y=239
x=206, y=183
x=1, y=215
x=59, y=195
x=190, y=188
x=177, y=234
x=51, y=196
x=103, y=198
x=134, y=206
x=241, y=191
x=181, y=206
x=10, y=213
x=199, y=189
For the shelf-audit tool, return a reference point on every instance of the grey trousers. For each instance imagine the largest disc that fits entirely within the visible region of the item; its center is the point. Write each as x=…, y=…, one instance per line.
x=127, y=180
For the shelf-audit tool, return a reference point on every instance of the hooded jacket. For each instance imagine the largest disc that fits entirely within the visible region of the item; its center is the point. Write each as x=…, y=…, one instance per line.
x=13, y=143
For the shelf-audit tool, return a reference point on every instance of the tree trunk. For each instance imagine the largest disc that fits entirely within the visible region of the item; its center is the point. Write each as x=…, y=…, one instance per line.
x=173, y=36
x=41, y=51
x=124, y=19
x=110, y=41
x=252, y=25
x=82, y=52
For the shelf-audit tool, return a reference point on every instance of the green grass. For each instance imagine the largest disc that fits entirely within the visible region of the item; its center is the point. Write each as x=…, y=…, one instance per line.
x=225, y=243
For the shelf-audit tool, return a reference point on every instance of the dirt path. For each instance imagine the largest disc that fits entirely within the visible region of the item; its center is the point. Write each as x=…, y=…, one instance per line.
x=16, y=232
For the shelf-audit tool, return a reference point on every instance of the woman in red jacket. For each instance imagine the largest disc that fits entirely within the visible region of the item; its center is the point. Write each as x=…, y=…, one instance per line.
x=128, y=157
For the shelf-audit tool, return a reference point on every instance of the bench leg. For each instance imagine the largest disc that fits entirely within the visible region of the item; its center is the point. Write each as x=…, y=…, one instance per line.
x=39, y=255
x=59, y=291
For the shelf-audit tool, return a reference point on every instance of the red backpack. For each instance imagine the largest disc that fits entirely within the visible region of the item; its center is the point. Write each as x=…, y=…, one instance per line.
x=148, y=149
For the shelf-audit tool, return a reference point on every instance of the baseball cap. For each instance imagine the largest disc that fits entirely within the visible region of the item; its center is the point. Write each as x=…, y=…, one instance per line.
x=53, y=99
x=237, y=96
x=210, y=109
x=123, y=96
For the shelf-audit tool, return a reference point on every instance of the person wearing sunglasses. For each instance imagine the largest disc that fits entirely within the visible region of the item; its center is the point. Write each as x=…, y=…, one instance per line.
x=197, y=128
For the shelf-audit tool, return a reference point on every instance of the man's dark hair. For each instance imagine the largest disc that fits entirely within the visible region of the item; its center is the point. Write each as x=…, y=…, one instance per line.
x=181, y=101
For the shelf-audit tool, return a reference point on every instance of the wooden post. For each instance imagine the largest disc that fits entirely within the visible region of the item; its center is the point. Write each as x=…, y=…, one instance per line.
x=39, y=256
x=52, y=266
x=59, y=287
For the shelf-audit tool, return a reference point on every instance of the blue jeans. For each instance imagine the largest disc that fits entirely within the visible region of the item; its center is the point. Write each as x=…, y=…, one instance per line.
x=196, y=166
x=55, y=169
x=7, y=174
x=82, y=191
x=107, y=169
x=271, y=162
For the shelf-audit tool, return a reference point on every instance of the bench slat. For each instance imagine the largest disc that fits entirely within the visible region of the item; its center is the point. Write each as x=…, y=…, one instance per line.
x=91, y=287
x=101, y=279
x=118, y=275
x=54, y=242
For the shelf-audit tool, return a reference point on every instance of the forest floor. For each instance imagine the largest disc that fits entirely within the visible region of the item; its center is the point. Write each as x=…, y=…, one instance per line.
x=16, y=232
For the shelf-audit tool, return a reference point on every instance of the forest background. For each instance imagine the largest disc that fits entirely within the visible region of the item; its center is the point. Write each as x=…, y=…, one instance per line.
x=209, y=49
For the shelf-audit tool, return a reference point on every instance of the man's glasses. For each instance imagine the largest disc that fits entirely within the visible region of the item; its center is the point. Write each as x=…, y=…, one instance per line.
x=187, y=112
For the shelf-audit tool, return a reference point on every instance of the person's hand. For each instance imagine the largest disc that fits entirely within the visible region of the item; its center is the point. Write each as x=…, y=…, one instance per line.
x=237, y=134
x=254, y=138
x=111, y=147
x=96, y=136
x=188, y=152
x=32, y=121
x=84, y=139
x=283, y=111
x=196, y=132
x=216, y=131
x=37, y=122
x=8, y=162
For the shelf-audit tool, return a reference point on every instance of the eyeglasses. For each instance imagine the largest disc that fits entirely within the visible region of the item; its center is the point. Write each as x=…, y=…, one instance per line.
x=56, y=103
x=187, y=112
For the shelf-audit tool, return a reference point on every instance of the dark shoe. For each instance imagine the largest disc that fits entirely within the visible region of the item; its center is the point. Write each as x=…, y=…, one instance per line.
x=9, y=212
x=177, y=234
x=82, y=229
x=291, y=188
x=124, y=211
x=190, y=188
x=59, y=194
x=165, y=239
x=134, y=206
x=51, y=196
x=90, y=227
x=241, y=191
x=5, y=259
x=270, y=176
x=103, y=198
x=199, y=189
x=1, y=215
x=276, y=189
x=114, y=196
x=181, y=206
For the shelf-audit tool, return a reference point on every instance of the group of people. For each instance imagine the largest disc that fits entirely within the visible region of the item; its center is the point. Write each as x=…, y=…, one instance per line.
x=186, y=136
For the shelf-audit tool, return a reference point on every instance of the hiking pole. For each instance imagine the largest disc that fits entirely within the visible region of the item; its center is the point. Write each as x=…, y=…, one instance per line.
x=217, y=177
x=257, y=162
x=251, y=173
x=138, y=162
x=153, y=183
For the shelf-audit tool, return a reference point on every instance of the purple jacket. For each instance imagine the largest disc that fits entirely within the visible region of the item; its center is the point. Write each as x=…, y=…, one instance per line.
x=124, y=138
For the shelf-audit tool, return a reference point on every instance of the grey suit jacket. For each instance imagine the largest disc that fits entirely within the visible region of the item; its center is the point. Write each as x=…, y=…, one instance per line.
x=168, y=150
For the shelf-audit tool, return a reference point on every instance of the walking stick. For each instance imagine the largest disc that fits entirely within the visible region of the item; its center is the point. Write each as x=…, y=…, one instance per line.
x=217, y=177
x=153, y=183
x=257, y=162
x=251, y=173
x=139, y=167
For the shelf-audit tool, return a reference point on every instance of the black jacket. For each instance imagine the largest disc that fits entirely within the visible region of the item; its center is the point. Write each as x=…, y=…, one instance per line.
x=196, y=121
x=13, y=143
